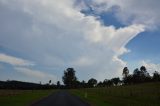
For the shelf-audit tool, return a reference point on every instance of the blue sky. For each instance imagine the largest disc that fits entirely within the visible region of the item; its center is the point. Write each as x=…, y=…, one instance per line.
x=144, y=46
x=40, y=39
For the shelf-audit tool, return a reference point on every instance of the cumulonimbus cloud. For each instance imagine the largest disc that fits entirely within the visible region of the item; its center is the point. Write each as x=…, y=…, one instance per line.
x=56, y=34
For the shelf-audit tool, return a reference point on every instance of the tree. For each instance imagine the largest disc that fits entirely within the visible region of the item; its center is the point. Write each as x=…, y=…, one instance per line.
x=107, y=82
x=83, y=84
x=115, y=81
x=92, y=82
x=50, y=81
x=125, y=72
x=128, y=80
x=156, y=76
x=145, y=77
x=69, y=78
x=125, y=75
x=77, y=84
x=137, y=72
x=58, y=84
x=136, y=76
x=143, y=69
x=100, y=84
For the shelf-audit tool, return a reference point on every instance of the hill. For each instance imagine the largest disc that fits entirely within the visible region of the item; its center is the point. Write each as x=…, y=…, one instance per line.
x=23, y=85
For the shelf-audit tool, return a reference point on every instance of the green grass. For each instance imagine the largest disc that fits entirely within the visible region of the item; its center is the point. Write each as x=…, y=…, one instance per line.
x=134, y=95
x=21, y=97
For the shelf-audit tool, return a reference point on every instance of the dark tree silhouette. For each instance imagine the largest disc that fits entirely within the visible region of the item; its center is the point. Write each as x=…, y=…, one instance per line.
x=143, y=69
x=136, y=72
x=125, y=72
x=69, y=78
x=156, y=76
x=92, y=82
x=137, y=76
x=145, y=77
x=100, y=84
x=143, y=72
x=115, y=81
x=58, y=84
x=50, y=81
x=107, y=83
x=126, y=75
x=128, y=80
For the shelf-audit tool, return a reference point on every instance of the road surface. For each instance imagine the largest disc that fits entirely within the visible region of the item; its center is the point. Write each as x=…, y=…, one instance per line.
x=61, y=98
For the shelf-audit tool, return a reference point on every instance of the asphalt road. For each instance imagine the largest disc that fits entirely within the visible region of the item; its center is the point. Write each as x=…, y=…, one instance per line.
x=61, y=98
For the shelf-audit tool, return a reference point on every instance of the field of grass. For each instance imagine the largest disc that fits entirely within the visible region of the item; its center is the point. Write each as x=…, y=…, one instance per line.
x=21, y=97
x=134, y=95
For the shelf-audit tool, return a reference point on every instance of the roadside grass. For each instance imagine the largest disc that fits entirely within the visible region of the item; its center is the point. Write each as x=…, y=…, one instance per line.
x=21, y=97
x=147, y=94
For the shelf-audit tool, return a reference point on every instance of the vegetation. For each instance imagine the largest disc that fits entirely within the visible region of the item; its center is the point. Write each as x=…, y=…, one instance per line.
x=136, y=89
x=92, y=82
x=69, y=78
x=21, y=97
x=147, y=94
x=71, y=81
x=140, y=75
x=25, y=85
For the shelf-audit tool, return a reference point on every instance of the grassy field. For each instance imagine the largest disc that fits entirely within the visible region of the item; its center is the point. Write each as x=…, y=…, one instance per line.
x=134, y=95
x=21, y=97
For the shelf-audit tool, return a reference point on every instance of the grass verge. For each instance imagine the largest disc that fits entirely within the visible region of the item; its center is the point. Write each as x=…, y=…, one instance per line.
x=134, y=95
x=21, y=97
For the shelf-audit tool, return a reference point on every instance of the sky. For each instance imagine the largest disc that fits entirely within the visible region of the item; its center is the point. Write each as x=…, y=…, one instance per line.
x=39, y=39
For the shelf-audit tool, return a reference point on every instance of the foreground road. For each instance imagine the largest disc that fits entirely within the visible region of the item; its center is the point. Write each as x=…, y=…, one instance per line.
x=61, y=98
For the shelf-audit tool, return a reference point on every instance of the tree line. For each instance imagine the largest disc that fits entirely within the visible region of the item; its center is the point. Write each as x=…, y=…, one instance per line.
x=12, y=84
x=139, y=75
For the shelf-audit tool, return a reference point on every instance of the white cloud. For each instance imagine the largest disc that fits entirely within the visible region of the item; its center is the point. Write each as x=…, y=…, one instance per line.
x=22, y=65
x=56, y=34
x=83, y=61
x=36, y=74
x=14, y=60
x=131, y=11
x=151, y=67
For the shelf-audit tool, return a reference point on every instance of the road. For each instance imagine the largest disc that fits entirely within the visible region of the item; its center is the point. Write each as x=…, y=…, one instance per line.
x=61, y=98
